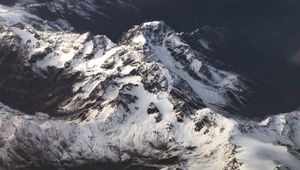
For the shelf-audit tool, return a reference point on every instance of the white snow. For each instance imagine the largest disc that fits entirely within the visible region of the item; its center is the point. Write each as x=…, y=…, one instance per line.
x=55, y=60
x=153, y=24
x=257, y=148
x=88, y=48
x=208, y=95
x=139, y=39
x=115, y=133
x=258, y=154
x=93, y=66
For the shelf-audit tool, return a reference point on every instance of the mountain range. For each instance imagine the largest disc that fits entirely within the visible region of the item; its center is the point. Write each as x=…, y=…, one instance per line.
x=98, y=85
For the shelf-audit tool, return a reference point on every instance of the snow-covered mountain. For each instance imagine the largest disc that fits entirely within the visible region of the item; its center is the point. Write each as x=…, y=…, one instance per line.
x=152, y=55
x=204, y=140
x=156, y=99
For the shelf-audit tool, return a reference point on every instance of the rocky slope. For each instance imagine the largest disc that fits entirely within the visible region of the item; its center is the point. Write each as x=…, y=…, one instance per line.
x=204, y=140
x=156, y=99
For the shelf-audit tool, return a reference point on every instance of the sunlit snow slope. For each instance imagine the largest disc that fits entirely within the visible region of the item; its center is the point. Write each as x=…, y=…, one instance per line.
x=152, y=100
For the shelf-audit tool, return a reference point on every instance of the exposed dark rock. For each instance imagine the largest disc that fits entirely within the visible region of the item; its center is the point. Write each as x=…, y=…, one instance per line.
x=152, y=109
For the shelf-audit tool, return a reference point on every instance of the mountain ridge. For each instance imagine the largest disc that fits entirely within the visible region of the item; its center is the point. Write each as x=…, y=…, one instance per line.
x=156, y=99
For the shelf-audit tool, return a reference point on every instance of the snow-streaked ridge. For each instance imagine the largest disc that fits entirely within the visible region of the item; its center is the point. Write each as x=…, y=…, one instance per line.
x=207, y=140
x=149, y=100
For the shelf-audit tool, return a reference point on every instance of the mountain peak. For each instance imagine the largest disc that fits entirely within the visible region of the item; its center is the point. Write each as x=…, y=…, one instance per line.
x=156, y=99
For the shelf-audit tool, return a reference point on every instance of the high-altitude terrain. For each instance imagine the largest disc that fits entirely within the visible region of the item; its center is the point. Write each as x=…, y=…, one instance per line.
x=153, y=98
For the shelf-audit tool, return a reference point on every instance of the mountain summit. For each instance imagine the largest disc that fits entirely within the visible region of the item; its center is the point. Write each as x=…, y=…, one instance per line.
x=155, y=99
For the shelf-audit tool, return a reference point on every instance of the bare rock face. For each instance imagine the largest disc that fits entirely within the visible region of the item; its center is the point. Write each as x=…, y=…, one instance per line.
x=155, y=99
